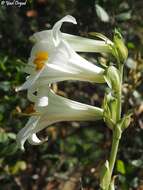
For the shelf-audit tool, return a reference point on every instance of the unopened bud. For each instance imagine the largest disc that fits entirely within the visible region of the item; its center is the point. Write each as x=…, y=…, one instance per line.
x=125, y=122
x=109, y=106
x=112, y=78
x=122, y=51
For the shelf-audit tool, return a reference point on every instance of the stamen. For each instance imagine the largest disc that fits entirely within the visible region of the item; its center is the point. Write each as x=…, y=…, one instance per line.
x=40, y=58
x=30, y=109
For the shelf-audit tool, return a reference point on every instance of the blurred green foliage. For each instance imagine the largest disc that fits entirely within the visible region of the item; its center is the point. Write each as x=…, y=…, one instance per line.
x=74, y=150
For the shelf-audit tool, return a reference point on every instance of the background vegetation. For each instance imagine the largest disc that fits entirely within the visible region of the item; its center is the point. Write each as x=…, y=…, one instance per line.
x=72, y=157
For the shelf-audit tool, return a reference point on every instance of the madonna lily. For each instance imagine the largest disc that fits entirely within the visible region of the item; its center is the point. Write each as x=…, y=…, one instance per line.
x=51, y=108
x=53, y=60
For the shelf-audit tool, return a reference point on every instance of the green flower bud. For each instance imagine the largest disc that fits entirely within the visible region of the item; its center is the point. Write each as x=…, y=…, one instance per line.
x=109, y=106
x=121, y=49
x=117, y=132
x=125, y=121
x=112, y=78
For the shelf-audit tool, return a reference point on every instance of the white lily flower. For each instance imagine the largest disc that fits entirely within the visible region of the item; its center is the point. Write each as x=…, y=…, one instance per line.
x=78, y=43
x=53, y=60
x=51, y=108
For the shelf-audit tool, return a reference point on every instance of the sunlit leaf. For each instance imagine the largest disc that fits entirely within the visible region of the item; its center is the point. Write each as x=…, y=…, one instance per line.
x=121, y=167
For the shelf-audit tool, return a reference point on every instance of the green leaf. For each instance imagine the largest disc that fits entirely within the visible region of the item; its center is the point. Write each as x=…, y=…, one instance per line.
x=9, y=149
x=121, y=167
x=5, y=86
x=3, y=137
x=137, y=163
x=19, y=166
x=11, y=135
x=131, y=63
x=124, y=16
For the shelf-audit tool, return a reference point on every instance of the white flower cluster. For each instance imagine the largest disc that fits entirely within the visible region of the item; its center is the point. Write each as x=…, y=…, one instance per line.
x=53, y=58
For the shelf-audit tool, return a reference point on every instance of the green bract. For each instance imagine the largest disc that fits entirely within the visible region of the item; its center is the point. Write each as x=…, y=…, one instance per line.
x=109, y=107
x=112, y=78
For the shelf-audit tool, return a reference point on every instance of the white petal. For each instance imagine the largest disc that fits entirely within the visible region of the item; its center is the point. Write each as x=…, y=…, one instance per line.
x=43, y=35
x=30, y=94
x=56, y=28
x=43, y=101
x=47, y=35
x=24, y=133
x=34, y=140
x=78, y=43
x=58, y=109
x=67, y=65
x=81, y=44
x=38, y=47
x=30, y=81
x=63, y=109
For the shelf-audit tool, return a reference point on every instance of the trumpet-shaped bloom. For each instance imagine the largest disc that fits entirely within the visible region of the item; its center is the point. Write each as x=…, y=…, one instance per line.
x=78, y=43
x=53, y=60
x=51, y=108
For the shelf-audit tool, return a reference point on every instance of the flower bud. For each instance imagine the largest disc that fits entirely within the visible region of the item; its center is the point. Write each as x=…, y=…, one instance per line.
x=112, y=78
x=109, y=106
x=125, y=122
x=122, y=51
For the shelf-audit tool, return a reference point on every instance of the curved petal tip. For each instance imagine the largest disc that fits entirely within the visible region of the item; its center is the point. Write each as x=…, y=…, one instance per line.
x=17, y=88
x=34, y=140
x=69, y=18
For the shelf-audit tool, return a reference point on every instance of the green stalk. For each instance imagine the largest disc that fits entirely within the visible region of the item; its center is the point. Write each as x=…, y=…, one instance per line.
x=113, y=154
x=116, y=131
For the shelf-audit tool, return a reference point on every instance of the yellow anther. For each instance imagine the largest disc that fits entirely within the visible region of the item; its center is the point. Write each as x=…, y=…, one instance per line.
x=40, y=58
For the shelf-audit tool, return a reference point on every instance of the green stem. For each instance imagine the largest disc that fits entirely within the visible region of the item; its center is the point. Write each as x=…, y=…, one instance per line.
x=116, y=131
x=113, y=155
x=119, y=96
